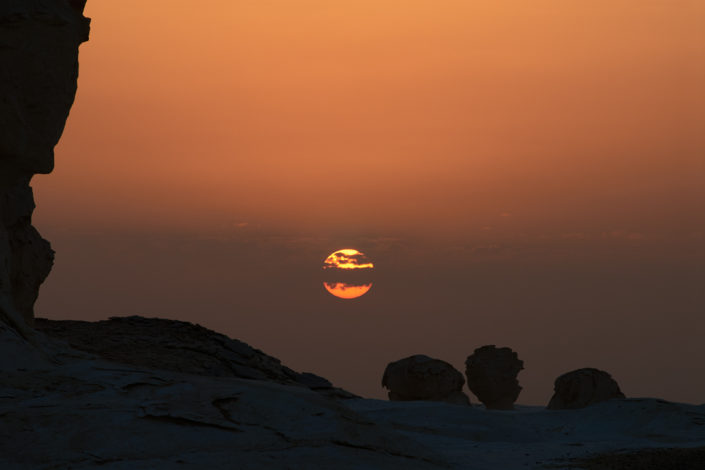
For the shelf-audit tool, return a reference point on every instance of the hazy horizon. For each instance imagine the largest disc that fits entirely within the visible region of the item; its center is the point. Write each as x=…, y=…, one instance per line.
x=525, y=175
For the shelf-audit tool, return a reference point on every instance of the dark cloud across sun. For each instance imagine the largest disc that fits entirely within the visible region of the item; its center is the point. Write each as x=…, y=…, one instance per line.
x=347, y=258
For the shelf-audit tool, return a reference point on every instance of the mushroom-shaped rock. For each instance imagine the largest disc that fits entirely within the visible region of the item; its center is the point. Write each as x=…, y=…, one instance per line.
x=420, y=377
x=492, y=376
x=583, y=387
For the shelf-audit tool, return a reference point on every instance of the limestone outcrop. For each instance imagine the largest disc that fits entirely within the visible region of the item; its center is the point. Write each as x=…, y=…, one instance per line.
x=492, y=376
x=583, y=387
x=420, y=377
x=38, y=74
x=177, y=346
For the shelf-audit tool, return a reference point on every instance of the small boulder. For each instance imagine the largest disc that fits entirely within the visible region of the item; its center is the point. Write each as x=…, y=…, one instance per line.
x=492, y=376
x=583, y=387
x=420, y=377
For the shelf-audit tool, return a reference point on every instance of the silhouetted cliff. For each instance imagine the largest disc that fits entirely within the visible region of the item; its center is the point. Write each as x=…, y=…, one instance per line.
x=38, y=72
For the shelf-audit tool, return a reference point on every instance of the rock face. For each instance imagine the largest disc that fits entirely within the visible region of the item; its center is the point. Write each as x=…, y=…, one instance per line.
x=178, y=346
x=26, y=256
x=420, y=377
x=38, y=71
x=492, y=376
x=583, y=387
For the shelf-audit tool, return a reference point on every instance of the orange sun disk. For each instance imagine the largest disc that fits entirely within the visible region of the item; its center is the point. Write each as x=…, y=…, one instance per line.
x=348, y=273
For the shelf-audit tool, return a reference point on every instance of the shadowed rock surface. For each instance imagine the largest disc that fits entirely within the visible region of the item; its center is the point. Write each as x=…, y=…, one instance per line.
x=420, y=377
x=178, y=346
x=85, y=414
x=38, y=71
x=492, y=376
x=583, y=387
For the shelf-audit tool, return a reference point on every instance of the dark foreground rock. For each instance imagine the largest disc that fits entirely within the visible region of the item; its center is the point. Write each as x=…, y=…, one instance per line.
x=649, y=459
x=492, y=376
x=420, y=377
x=85, y=413
x=178, y=346
x=583, y=387
x=90, y=413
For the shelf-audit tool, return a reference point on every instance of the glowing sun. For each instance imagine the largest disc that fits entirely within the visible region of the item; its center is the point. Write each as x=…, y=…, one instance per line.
x=347, y=273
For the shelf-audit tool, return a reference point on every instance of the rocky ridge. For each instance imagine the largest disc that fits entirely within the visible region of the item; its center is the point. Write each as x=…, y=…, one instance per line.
x=182, y=347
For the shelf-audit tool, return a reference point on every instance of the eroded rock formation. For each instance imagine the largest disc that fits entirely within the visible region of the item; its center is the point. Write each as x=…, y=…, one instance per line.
x=583, y=387
x=492, y=376
x=420, y=377
x=38, y=73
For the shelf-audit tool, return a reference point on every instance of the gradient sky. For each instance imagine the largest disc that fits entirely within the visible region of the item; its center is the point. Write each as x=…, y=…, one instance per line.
x=526, y=174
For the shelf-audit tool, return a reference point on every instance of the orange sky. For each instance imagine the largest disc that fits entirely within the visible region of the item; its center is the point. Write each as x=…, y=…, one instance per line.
x=563, y=141
x=402, y=114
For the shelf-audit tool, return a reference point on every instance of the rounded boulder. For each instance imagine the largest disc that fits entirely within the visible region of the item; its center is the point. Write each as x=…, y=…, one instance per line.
x=421, y=377
x=583, y=387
